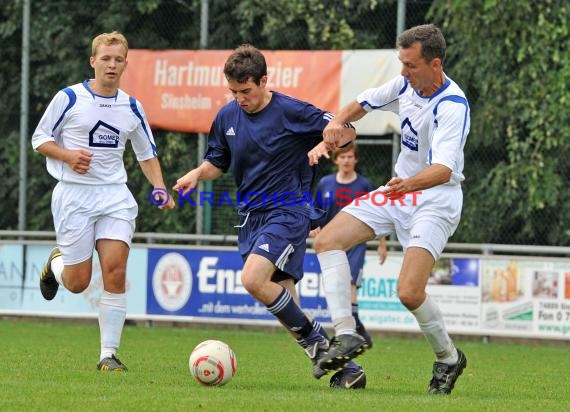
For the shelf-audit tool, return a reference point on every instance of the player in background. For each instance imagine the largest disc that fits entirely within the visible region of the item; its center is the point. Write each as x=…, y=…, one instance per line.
x=434, y=117
x=83, y=134
x=332, y=192
x=264, y=137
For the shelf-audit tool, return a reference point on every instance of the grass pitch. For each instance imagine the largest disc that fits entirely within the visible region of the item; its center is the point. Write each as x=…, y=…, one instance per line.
x=50, y=366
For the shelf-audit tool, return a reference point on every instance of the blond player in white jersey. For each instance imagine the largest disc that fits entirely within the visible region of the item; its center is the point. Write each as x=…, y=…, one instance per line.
x=426, y=208
x=83, y=134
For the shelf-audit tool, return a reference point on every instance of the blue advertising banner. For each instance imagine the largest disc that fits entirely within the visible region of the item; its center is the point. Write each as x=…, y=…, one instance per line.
x=207, y=283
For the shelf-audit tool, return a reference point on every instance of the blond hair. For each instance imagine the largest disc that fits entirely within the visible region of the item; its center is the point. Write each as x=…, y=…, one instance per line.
x=109, y=39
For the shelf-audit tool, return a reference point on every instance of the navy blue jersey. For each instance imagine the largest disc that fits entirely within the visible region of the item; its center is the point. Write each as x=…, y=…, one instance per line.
x=267, y=152
x=332, y=196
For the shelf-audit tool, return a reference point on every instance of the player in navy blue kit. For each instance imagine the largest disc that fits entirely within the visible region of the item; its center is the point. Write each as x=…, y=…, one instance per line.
x=335, y=191
x=264, y=137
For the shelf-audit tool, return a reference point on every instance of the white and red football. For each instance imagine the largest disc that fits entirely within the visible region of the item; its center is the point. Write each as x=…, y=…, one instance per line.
x=213, y=363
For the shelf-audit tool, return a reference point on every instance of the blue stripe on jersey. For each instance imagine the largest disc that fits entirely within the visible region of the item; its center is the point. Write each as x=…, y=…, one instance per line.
x=439, y=91
x=72, y=99
x=135, y=110
x=455, y=99
x=403, y=89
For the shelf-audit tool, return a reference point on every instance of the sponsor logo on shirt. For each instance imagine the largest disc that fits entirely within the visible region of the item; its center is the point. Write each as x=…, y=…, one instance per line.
x=230, y=132
x=409, y=135
x=104, y=135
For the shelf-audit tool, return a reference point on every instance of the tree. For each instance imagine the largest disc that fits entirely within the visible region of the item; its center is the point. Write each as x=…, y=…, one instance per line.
x=513, y=59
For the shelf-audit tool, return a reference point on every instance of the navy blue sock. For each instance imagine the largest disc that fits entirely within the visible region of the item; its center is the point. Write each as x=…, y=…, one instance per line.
x=355, y=315
x=319, y=328
x=286, y=310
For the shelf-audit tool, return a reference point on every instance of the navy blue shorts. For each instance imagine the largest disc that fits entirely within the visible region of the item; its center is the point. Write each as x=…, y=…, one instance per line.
x=356, y=261
x=278, y=235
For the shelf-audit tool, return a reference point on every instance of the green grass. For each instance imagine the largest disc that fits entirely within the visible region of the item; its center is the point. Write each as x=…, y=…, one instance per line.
x=50, y=366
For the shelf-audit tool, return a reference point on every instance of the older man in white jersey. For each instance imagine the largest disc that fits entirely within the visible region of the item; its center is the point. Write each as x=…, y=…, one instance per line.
x=83, y=134
x=434, y=116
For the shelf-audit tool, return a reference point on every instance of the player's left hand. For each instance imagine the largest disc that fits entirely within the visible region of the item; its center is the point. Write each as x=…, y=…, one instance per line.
x=167, y=200
x=317, y=152
x=396, y=188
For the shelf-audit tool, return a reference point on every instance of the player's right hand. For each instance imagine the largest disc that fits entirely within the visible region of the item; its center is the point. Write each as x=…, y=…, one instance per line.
x=187, y=182
x=79, y=160
x=317, y=152
x=332, y=134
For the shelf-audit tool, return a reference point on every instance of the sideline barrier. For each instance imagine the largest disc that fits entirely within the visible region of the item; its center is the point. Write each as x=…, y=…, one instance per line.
x=487, y=295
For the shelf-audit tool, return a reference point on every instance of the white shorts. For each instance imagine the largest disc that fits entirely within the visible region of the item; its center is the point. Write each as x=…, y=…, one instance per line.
x=425, y=220
x=82, y=214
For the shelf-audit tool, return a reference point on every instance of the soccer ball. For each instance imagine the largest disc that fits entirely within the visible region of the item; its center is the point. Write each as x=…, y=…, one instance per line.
x=212, y=363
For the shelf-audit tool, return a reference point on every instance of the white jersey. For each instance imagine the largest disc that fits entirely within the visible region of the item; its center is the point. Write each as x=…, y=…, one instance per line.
x=77, y=118
x=434, y=128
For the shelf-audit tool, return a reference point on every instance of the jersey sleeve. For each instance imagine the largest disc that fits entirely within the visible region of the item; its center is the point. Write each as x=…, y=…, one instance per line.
x=218, y=152
x=305, y=120
x=141, y=137
x=52, y=120
x=452, y=119
x=384, y=97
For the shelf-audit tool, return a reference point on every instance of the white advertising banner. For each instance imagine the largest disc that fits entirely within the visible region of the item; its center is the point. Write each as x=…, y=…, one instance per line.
x=516, y=296
x=526, y=297
x=19, y=287
x=364, y=69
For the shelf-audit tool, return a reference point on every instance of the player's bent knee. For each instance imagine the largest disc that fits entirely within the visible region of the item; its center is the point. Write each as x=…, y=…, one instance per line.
x=76, y=286
x=410, y=300
x=251, y=283
x=324, y=244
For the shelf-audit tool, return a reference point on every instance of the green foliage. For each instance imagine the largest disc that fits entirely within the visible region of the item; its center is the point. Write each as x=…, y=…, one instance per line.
x=177, y=154
x=513, y=59
x=510, y=57
x=336, y=24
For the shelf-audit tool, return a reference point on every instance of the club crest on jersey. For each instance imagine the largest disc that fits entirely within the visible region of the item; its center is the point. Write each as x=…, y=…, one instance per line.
x=104, y=135
x=409, y=135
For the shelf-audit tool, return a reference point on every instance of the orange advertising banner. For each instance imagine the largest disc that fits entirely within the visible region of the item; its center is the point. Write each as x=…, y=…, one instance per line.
x=182, y=90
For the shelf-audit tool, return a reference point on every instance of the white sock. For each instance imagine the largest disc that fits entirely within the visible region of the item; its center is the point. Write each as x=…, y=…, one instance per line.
x=57, y=269
x=431, y=323
x=336, y=284
x=112, y=314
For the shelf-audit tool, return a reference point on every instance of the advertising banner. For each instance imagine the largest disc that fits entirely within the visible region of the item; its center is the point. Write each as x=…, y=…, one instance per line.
x=453, y=284
x=479, y=295
x=182, y=90
x=207, y=283
x=528, y=297
x=19, y=287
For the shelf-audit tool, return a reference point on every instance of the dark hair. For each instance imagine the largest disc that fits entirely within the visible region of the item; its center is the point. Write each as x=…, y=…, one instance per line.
x=349, y=147
x=246, y=62
x=429, y=36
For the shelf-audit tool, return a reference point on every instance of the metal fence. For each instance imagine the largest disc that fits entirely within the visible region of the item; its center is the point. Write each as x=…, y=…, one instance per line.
x=211, y=24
